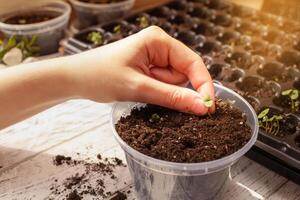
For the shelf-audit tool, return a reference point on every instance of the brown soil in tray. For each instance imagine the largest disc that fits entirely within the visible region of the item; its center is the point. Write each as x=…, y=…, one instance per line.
x=180, y=137
x=31, y=17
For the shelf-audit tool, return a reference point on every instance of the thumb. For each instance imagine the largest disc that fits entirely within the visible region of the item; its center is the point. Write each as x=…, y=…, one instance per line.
x=171, y=96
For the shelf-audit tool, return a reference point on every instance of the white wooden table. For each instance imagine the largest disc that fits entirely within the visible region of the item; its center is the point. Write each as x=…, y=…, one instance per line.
x=27, y=150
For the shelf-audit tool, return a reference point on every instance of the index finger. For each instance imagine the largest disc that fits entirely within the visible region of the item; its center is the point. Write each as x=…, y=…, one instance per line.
x=165, y=51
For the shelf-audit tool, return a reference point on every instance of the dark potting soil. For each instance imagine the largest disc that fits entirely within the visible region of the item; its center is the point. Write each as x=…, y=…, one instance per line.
x=180, y=137
x=101, y=1
x=78, y=185
x=31, y=17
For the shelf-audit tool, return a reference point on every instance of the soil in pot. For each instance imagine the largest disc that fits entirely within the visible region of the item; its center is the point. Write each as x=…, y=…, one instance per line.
x=180, y=137
x=290, y=58
x=101, y=1
x=297, y=85
x=31, y=17
x=209, y=47
x=256, y=86
x=204, y=28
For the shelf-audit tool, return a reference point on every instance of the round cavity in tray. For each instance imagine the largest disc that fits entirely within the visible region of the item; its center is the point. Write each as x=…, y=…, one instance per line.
x=200, y=12
x=204, y=28
x=178, y=5
x=240, y=59
x=269, y=19
x=257, y=47
x=141, y=20
x=217, y=4
x=83, y=37
x=288, y=125
x=216, y=69
x=290, y=26
x=290, y=58
x=274, y=71
x=209, y=47
x=161, y=12
x=248, y=28
x=257, y=87
x=231, y=75
x=274, y=36
x=242, y=11
x=229, y=37
x=254, y=102
x=284, y=102
x=179, y=19
x=189, y=38
x=120, y=27
x=222, y=20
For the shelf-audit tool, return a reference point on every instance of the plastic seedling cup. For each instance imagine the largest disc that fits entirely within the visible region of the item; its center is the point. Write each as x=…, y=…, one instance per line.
x=156, y=179
x=92, y=13
x=49, y=32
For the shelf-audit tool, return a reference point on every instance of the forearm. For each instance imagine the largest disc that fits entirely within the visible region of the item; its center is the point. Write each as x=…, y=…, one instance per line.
x=28, y=89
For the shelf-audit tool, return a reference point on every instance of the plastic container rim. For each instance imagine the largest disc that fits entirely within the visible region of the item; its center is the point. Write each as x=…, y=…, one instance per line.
x=95, y=5
x=56, y=21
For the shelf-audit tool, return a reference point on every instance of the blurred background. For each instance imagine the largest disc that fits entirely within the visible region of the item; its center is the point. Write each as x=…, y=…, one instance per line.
x=287, y=8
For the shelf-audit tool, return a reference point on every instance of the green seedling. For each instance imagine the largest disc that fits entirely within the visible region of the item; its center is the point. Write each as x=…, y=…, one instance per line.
x=154, y=118
x=95, y=37
x=207, y=101
x=293, y=95
x=143, y=21
x=28, y=46
x=117, y=29
x=270, y=125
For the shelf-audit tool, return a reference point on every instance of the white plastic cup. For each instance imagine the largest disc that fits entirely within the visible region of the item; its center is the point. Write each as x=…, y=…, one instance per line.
x=157, y=179
x=49, y=32
x=91, y=13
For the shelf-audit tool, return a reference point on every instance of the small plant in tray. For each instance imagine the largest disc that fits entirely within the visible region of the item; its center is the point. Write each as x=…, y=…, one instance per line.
x=95, y=37
x=293, y=95
x=269, y=125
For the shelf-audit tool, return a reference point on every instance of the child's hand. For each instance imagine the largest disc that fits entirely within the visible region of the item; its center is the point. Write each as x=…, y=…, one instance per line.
x=149, y=67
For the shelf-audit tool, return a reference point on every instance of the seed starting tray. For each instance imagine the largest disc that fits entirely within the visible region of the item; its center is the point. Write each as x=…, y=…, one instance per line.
x=254, y=53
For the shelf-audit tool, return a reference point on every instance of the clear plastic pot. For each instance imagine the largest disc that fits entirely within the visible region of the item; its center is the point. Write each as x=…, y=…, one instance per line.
x=156, y=179
x=91, y=13
x=49, y=32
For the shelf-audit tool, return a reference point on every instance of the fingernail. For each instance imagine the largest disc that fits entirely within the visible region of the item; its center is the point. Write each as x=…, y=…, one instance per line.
x=198, y=107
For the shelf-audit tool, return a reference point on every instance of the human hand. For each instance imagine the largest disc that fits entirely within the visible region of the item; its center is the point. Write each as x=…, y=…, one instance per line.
x=148, y=67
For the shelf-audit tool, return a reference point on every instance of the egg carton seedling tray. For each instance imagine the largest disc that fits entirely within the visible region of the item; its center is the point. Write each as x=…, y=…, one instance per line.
x=254, y=53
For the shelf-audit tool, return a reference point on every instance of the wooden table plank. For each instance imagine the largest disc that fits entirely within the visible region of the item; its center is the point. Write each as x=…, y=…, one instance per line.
x=289, y=191
x=49, y=128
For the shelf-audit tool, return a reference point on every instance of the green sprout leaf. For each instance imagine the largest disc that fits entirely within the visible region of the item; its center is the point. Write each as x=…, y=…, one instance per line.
x=117, y=29
x=154, y=118
x=263, y=113
x=286, y=92
x=294, y=94
x=95, y=37
x=278, y=117
x=144, y=22
x=207, y=101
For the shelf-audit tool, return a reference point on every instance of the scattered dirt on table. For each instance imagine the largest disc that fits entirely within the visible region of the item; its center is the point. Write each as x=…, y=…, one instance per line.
x=119, y=196
x=81, y=185
x=180, y=137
